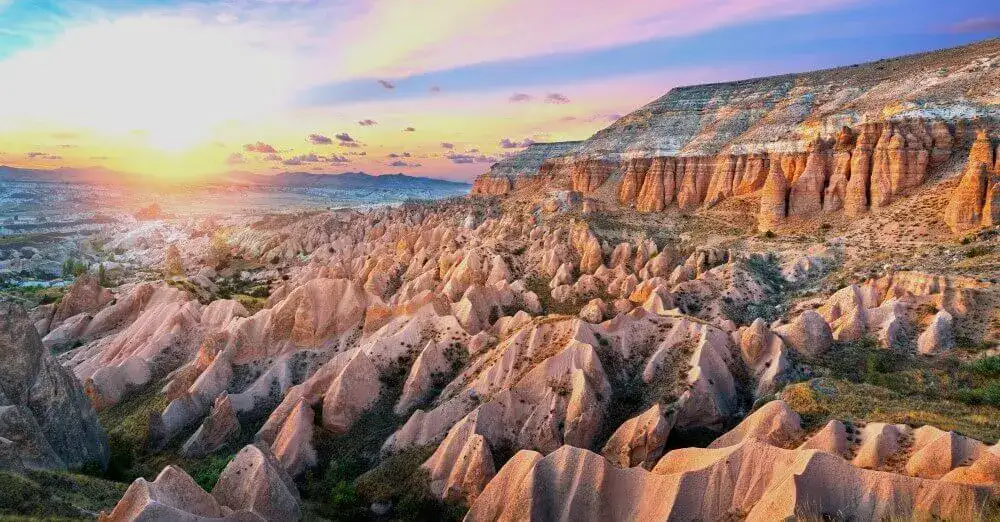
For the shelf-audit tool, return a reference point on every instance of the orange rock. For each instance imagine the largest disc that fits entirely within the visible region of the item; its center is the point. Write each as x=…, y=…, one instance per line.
x=773, y=200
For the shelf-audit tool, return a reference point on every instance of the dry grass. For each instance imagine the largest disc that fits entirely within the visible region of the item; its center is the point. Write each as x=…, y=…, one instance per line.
x=820, y=400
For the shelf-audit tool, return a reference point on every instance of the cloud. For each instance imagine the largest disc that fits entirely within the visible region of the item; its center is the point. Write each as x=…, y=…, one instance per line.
x=260, y=147
x=519, y=97
x=473, y=151
x=236, y=158
x=367, y=123
x=387, y=84
x=304, y=158
x=465, y=159
x=319, y=139
x=43, y=155
x=409, y=129
x=983, y=24
x=507, y=143
x=272, y=157
x=435, y=89
x=400, y=155
x=338, y=160
x=345, y=138
x=401, y=163
x=555, y=97
x=446, y=145
x=435, y=35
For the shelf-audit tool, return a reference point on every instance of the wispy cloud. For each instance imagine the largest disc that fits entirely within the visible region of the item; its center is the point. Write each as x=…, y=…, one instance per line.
x=259, y=147
x=319, y=139
x=982, y=24
x=507, y=143
x=556, y=98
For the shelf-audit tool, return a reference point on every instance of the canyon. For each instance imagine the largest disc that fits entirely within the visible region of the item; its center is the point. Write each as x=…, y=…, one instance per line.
x=773, y=299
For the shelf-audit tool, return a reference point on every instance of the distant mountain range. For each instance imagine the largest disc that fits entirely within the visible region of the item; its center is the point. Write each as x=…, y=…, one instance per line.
x=346, y=181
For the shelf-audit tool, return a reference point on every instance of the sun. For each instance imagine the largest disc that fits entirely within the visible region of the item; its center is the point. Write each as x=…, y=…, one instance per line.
x=177, y=79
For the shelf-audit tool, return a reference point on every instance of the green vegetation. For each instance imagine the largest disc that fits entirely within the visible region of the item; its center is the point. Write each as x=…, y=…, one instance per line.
x=862, y=381
x=30, y=240
x=540, y=286
x=172, y=265
x=206, y=471
x=127, y=424
x=51, y=495
x=766, y=271
x=352, y=473
x=32, y=296
x=987, y=366
x=822, y=399
x=73, y=268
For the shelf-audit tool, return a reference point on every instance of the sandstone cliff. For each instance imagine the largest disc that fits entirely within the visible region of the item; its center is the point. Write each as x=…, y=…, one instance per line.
x=850, y=139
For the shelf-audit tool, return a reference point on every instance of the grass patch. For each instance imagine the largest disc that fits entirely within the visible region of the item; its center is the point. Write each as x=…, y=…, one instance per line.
x=820, y=400
x=52, y=495
x=987, y=366
x=540, y=286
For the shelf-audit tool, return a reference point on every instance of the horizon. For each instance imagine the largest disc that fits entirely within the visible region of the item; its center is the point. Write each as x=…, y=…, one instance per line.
x=179, y=92
x=217, y=177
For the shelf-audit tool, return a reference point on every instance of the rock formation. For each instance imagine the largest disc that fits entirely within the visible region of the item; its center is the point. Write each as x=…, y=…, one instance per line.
x=972, y=203
x=752, y=471
x=863, y=147
x=252, y=487
x=44, y=414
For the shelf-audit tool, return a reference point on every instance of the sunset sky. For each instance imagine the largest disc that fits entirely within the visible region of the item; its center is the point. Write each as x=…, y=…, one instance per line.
x=190, y=88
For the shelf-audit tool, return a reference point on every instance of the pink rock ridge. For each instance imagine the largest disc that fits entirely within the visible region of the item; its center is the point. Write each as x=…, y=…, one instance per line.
x=755, y=472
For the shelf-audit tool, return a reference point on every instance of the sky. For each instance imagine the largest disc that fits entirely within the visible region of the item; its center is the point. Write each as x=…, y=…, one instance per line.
x=189, y=89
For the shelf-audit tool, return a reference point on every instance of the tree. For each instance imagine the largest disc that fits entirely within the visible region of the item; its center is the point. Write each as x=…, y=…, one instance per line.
x=172, y=262
x=219, y=253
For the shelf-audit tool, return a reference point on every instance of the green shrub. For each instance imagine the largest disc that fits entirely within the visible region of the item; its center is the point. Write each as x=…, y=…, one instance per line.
x=977, y=251
x=987, y=366
x=206, y=471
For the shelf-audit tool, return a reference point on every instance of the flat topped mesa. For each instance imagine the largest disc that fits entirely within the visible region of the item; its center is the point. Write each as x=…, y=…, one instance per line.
x=845, y=139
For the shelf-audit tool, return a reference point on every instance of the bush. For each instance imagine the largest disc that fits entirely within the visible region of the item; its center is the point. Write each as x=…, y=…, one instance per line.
x=401, y=482
x=987, y=366
x=989, y=395
x=977, y=251
x=206, y=472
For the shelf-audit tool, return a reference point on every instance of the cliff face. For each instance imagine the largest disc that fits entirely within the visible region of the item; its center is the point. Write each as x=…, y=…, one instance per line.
x=847, y=139
x=527, y=163
x=975, y=201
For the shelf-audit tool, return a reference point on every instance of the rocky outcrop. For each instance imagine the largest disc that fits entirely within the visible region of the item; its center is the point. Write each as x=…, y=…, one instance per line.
x=44, y=413
x=972, y=203
x=751, y=471
x=252, y=487
x=640, y=440
x=774, y=199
